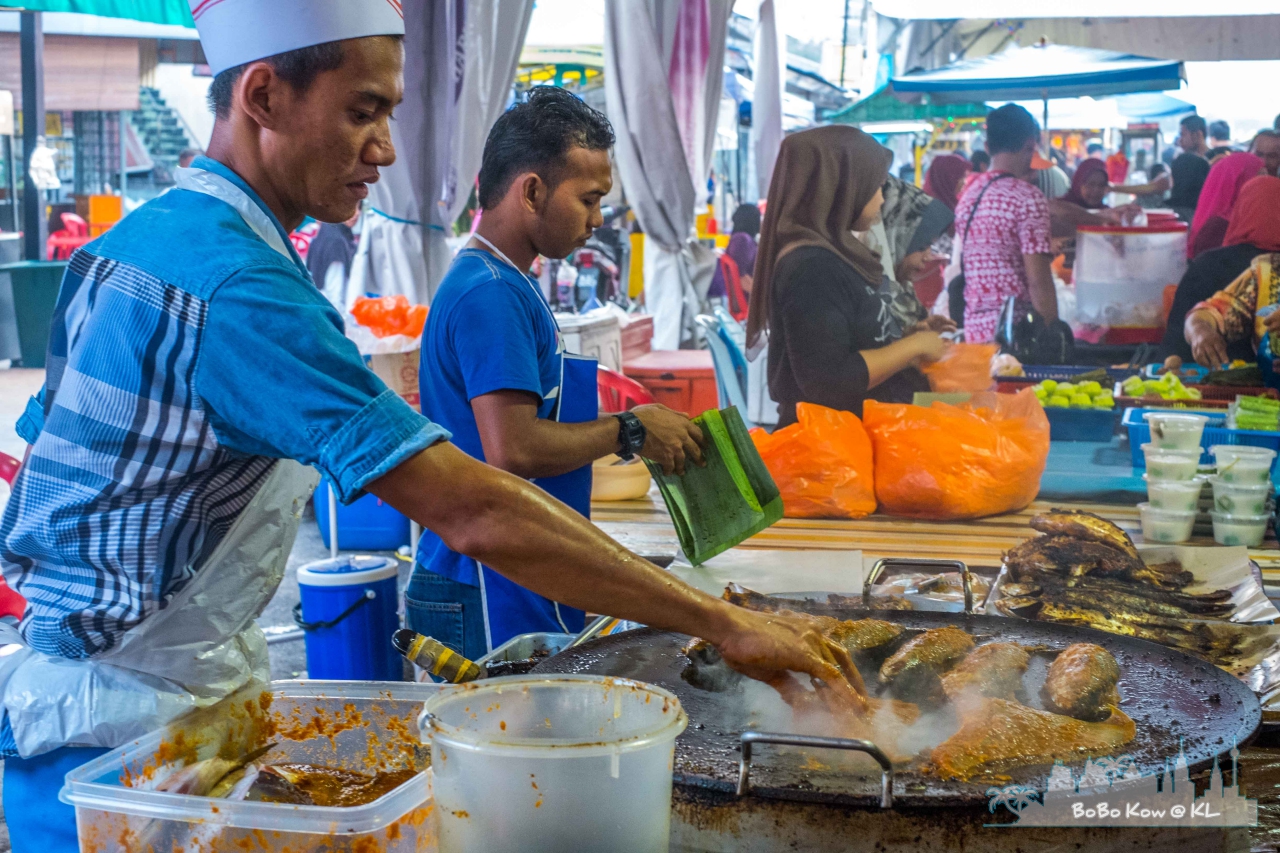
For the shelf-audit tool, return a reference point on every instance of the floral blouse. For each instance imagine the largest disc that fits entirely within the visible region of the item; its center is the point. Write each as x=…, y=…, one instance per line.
x=1234, y=309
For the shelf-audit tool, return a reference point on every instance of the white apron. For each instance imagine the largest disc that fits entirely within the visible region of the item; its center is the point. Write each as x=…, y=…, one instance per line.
x=204, y=645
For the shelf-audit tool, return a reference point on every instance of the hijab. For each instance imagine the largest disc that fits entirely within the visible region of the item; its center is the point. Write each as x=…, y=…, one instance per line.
x=1087, y=169
x=822, y=180
x=1253, y=219
x=944, y=176
x=1226, y=178
x=746, y=220
x=1188, y=172
x=912, y=221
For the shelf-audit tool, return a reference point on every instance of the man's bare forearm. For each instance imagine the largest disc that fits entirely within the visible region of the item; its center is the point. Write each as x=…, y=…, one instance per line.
x=520, y=531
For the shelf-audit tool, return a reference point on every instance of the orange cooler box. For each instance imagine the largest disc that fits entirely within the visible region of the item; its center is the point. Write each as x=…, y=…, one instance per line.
x=684, y=380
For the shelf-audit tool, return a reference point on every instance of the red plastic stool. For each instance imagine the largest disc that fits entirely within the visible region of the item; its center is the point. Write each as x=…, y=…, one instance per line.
x=620, y=393
x=11, y=604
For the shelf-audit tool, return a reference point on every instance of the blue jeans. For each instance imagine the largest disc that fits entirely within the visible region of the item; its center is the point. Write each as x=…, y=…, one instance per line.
x=451, y=612
x=38, y=821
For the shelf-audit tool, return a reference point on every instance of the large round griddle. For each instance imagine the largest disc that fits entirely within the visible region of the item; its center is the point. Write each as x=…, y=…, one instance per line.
x=1174, y=700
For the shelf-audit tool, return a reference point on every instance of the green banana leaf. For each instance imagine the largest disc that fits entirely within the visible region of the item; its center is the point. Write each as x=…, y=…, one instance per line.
x=728, y=501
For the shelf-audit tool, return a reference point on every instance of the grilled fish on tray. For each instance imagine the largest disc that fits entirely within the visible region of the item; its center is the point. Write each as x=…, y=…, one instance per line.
x=1086, y=571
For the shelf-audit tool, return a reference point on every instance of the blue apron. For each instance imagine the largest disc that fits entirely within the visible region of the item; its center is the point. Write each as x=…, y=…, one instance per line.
x=509, y=609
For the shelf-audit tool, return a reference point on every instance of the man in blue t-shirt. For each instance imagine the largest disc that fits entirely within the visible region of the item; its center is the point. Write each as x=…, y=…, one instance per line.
x=494, y=371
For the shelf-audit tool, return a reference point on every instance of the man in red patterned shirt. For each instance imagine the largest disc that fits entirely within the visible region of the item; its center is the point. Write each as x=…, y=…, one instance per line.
x=1005, y=250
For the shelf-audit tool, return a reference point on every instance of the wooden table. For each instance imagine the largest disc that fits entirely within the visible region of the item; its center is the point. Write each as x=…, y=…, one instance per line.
x=644, y=527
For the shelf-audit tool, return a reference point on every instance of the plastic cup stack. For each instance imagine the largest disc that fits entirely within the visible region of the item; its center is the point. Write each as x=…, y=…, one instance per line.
x=1242, y=491
x=1173, y=489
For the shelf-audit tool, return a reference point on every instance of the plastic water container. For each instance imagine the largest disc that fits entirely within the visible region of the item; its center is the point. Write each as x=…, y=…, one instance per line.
x=349, y=612
x=367, y=524
x=359, y=726
x=563, y=762
x=1120, y=273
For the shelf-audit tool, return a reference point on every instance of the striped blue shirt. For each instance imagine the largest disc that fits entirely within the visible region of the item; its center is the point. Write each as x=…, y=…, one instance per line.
x=185, y=356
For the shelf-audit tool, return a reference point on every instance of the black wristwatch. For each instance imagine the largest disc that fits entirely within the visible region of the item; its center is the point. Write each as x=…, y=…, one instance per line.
x=631, y=435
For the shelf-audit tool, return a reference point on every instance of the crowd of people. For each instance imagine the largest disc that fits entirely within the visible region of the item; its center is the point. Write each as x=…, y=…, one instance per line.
x=859, y=275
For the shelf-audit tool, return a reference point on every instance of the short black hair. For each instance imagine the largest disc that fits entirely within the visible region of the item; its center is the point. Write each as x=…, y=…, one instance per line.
x=1195, y=124
x=1157, y=169
x=979, y=160
x=534, y=136
x=1265, y=133
x=299, y=68
x=1220, y=130
x=1009, y=128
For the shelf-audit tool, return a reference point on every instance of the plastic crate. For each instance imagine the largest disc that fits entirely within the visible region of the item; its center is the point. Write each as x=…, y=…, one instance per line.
x=1215, y=432
x=1211, y=397
x=1081, y=424
x=1033, y=373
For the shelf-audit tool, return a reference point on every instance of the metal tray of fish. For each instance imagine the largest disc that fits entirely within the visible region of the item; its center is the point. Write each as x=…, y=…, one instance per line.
x=1251, y=619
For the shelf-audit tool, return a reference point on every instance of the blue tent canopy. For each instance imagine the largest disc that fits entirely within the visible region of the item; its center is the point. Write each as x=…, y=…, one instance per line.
x=1041, y=72
x=1152, y=105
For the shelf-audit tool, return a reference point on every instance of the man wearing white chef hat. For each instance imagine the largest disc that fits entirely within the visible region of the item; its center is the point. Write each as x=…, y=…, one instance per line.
x=197, y=378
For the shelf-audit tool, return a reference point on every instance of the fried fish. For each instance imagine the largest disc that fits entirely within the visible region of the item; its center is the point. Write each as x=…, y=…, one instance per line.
x=1082, y=682
x=993, y=670
x=1084, y=525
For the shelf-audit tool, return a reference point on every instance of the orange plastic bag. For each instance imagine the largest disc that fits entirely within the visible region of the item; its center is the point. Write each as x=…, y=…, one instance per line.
x=822, y=464
x=947, y=462
x=963, y=367
x=390, y=315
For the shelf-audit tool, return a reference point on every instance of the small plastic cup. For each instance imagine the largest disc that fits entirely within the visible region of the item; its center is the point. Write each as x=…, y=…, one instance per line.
x=1165, y=464
x=1240, y=498
x=1176, y=495
x=1176, y=430
x=1238, y=463
x=1247, y=530
x=1166, y=525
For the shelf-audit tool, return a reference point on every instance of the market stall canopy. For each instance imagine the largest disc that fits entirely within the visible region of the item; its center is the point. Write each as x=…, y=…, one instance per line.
x=1051, y=71
x=1152, y=105
x=1076, y=113
x=881, y=106
x=173, y=12
x=952, y=9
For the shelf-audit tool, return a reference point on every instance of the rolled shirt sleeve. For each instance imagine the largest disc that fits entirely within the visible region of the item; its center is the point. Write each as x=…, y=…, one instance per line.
x=279, y=378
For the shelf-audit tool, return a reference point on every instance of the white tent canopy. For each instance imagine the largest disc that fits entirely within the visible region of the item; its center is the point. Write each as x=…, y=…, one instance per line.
x=952, y=9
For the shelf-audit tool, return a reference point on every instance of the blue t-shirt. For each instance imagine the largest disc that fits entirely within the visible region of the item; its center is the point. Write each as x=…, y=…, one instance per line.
x=489, y=329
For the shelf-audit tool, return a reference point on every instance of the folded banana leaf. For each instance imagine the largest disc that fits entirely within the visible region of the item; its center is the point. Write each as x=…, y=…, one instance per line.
x=728, y=501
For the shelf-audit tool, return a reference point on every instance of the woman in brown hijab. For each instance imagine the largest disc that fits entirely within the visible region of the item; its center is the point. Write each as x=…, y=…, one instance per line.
x=832, y=338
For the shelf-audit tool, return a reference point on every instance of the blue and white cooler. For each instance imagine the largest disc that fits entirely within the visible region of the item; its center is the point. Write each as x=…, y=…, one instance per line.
x=349, y=612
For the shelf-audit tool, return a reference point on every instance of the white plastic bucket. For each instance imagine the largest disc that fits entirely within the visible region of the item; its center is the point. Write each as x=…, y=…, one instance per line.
x=563, y=762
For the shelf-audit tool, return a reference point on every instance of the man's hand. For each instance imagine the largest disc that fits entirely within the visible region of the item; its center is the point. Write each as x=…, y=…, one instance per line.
x=769, y=647
x=670, y=438
x=1208, y=347
x=934, y=323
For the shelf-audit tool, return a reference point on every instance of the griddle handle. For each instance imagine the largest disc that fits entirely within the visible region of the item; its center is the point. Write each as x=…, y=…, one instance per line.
x=878, y=569
x=852, y=744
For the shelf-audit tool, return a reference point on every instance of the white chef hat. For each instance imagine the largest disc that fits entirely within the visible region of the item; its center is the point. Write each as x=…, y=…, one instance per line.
x=234, y=32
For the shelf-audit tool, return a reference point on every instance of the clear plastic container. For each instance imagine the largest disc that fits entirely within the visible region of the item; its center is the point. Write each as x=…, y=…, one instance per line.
x=1164, y=464
x=1166, y=525
x=1177, y=495
x=1176, y=431
x=563, y=762
x=1120, y=273
x=1240, y=498
x=356, y=725
x=1247, y=530
x=1239, y=463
